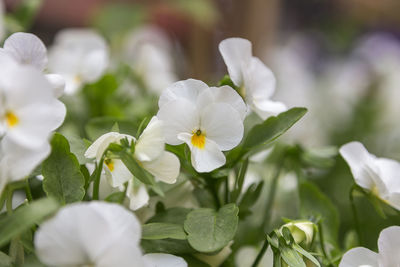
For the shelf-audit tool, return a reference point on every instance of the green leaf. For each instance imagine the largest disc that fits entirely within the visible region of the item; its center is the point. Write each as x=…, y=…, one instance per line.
x=209, y=230
x=249, y=199
x=115, y=197
x=135, y=168
x=272, y=128
x=25, y=217
x=314, y=204
x=5, y=260
x=173, y=215
x=163, y=231
x=61, y=171
x=306, y=254
x=26, y=12
x=171, y=246
x=291, y=257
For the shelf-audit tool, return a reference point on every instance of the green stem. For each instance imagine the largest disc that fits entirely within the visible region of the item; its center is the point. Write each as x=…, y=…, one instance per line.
x=227, y=191
x=124, y=193
x=9, y=201
x=260, y=254
x=96, y=183
x=355, y=214
x=322, y=243
x=28, y=191
x=271, y=197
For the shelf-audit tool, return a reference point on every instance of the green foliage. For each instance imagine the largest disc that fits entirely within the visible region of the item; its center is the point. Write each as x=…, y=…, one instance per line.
x=5, y=260
x=209, y=230
x=63, y=178
x=25, y=217
x=163, y=231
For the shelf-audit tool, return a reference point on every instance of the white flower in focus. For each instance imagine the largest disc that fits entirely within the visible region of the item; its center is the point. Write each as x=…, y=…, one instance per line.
x=148, y=52
x=255, y=80
x=29, y=112
x=208, y=120
x=95, y=234
x=28, y=49
x=381, y=176
x=80, y=56
x=149, y=153
x=388, y=256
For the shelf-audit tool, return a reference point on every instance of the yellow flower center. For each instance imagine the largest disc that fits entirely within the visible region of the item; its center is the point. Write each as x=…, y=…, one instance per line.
x=11, y=119
x=198, y=139
x=110, y=164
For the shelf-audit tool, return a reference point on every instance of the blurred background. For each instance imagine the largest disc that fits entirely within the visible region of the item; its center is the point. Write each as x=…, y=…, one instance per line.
x=340, y=59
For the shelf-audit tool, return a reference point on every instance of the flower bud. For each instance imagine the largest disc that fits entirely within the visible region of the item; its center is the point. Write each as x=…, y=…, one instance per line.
x=302, y=231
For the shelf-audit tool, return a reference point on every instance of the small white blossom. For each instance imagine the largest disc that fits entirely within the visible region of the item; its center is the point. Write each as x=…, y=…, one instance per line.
x=80, y=56
x=208, y=120
x=255, y=80
x=381, y=176
x=96, y=234
x=388, y=256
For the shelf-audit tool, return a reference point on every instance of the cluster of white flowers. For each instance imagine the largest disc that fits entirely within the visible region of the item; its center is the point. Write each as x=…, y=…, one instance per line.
x=29, y=110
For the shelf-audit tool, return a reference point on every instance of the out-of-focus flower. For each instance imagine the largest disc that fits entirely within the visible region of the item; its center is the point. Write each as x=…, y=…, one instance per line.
x=389, y=246
x=255, y=80
x=80, y=56
x=206, y=119
x=302, y=231
x=246, y=255
x=28, y=49
x=95, y=233
x=381, y=176
x=149, y=152
x=148, y=52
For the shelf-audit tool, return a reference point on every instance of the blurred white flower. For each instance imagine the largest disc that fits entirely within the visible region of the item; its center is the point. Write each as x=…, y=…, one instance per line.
x=29, y=112
x=2, y=27
x=148, y=52
x=388, y=256
x=255, y=80
x=28, y=49
x=95, y=234
x=149, y=152
x=80, y=56
x=381, y=176
x=207, y=119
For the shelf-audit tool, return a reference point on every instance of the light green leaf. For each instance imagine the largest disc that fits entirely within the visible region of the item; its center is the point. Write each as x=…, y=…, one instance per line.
x=173, y=215
x=163, y=231
x=209, y=230
x=61, y=171
x=306, y=254
x=25, y=217
x=5, y=260
x=291, y=257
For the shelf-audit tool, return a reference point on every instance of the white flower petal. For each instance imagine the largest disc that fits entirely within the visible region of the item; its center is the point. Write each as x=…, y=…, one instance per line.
x=222, y=124
x=89, y=233
x=206, y=159
x=187, y=89
x=150, y=145
x=267, y=108
x=165, y=168
x=94, y=65
x=118, y=174
x=389, y=172
x=98, y=147
x=226, y=94
x=236, y=53
x=164, y=260
x=178, y=116
x=389, y=246
x=259, y=80
x=137, y=194
x=27, y=48
x=57, y=82
x=359, y=257
x=18, y=162
x=362, y=165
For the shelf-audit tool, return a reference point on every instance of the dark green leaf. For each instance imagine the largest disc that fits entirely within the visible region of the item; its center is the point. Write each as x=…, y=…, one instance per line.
x=62, y=175
x=163, y=231
x=209, y=230
x=171, y=246
x=25, y=217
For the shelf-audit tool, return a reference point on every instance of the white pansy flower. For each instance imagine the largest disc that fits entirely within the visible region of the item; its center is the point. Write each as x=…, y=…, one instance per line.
x=206, y=119
x=255, y=80
x=29, y=112
x=381, y=176
x=80, y=56
x=95, y=234
x=148, y=52
x=149, y=152
x=28, y=49
x=388, y=256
